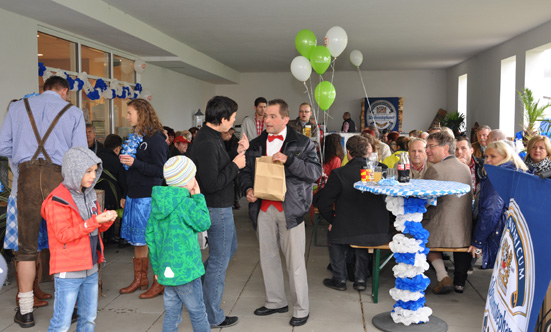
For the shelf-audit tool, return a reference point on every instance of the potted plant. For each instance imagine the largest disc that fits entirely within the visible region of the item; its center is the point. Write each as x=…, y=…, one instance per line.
x=455, y=121
x=533, y=113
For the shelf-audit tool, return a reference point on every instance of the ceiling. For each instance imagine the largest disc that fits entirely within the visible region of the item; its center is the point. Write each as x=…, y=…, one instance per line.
x=215, y=40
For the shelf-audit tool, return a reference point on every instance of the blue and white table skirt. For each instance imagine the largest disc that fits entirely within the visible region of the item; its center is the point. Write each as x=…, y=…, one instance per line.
x=408, y=203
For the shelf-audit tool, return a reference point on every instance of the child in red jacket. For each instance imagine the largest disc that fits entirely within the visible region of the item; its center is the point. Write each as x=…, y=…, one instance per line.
x=74, y=222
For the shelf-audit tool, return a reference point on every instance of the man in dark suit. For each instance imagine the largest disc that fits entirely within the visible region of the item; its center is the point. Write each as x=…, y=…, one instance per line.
x=280, y=225
x=450, y=221
x=357, y=218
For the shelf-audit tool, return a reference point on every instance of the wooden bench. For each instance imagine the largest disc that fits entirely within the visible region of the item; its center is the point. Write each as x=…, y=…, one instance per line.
x=377, y=265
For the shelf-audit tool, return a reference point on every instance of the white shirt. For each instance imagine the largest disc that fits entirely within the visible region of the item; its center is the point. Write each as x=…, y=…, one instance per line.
x=274, y=146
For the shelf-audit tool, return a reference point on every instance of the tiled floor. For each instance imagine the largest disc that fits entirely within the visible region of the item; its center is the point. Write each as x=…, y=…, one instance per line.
x=330, y=310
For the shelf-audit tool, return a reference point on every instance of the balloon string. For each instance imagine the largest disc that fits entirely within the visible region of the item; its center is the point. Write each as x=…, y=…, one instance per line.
x=333, y=69
x=365, y=92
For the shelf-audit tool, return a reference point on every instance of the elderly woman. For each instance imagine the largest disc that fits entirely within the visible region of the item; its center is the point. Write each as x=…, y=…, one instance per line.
x=538, y=158
x=492, y=210
x=355, y=217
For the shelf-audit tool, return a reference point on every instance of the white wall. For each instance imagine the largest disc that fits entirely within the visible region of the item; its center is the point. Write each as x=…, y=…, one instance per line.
x=484, y=77
x=175, y=96
x=18, y=58
x=424, y=92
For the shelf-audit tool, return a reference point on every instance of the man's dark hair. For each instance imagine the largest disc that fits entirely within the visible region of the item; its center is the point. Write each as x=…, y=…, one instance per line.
x=283, y=107
x=260, y=100
x=112, y=141
x=443, y=138
x=56, y=83
x=169, y=131
x=357, y=146
x=89, y=125
x=219, y=108
x=463, y=138
x=193, y=130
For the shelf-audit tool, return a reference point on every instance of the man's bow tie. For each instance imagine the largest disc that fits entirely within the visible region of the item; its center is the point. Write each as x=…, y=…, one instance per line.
x=272, y=137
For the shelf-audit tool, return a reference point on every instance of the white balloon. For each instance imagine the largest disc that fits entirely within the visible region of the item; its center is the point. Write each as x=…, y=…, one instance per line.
x=139, y=66
x=336, y=40
x=356, y=57
x=301, y=68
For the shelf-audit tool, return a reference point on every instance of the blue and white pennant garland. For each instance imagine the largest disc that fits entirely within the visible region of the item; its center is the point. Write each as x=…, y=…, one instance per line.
x=100, y=89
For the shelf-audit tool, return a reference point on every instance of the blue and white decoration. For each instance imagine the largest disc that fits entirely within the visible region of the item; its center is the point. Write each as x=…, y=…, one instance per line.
x=408, y=203
x=410, y=254
x=100, y=89
x=130, y=146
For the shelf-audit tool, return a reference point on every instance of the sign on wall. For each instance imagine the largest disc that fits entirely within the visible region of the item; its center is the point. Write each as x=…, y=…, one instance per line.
x=385, y=113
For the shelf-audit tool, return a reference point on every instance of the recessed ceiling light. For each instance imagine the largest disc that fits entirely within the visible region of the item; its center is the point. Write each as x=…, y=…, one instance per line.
x=40, y=54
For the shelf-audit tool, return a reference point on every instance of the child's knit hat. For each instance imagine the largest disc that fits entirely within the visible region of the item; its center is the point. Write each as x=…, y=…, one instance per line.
x=178, y=171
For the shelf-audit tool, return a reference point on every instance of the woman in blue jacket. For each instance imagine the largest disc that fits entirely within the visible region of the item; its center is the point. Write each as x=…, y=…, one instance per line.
x=492, y=210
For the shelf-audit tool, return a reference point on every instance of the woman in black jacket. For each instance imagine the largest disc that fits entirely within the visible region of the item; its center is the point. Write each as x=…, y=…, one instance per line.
x=145, y=170
x=355, y=217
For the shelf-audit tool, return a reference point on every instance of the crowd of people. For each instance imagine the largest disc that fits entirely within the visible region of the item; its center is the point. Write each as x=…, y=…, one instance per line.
x=171, y=185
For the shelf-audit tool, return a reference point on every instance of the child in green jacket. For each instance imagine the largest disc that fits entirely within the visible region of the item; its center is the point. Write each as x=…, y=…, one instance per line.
x=178, y=213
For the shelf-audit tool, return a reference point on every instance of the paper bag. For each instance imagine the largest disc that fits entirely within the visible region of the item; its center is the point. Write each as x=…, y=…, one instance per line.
x=269, y=179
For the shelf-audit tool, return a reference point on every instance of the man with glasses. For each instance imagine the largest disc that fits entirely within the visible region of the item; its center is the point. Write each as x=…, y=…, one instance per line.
x=450, y=221
x=300, y=124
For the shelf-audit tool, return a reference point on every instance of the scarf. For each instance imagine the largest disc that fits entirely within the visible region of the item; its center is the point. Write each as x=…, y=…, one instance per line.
x=540, y=167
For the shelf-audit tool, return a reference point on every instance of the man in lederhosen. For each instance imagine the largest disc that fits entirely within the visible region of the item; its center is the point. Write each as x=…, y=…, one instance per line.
x=35, y=135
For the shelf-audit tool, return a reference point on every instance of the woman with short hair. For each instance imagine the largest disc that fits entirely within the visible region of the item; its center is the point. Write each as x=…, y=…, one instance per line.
x=538, y=157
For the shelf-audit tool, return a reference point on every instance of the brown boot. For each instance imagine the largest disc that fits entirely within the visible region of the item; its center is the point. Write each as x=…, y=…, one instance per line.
x=140, y=279
x=36, y=288
x=37, y=302
x=156, y=289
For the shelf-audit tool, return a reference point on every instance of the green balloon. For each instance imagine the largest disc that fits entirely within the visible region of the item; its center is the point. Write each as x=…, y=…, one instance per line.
x=305, y=42
x=320, y=59
x=325, y=95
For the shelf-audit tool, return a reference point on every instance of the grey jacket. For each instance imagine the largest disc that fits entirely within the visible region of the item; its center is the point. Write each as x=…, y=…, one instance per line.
x=302, y=169
x=450, y=221
x=248, y=127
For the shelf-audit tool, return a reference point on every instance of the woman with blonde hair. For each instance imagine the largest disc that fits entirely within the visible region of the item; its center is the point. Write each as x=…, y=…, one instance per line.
x=492, y=210
x=538, y=157
x=145, y=170
x=381, y=148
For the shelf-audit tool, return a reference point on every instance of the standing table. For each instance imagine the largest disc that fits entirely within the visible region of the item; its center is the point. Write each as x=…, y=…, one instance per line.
x=408, y=201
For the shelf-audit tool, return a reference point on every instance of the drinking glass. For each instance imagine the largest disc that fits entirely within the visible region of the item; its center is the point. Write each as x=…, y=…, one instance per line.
x=378, y=174
x=391, y=173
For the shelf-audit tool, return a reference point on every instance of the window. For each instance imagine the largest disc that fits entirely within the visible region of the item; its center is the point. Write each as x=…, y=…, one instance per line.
x=57, y=53
x=507, y=96
x=538, y=75
x=462, y=96
x=123, y=69
x=72, y=56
